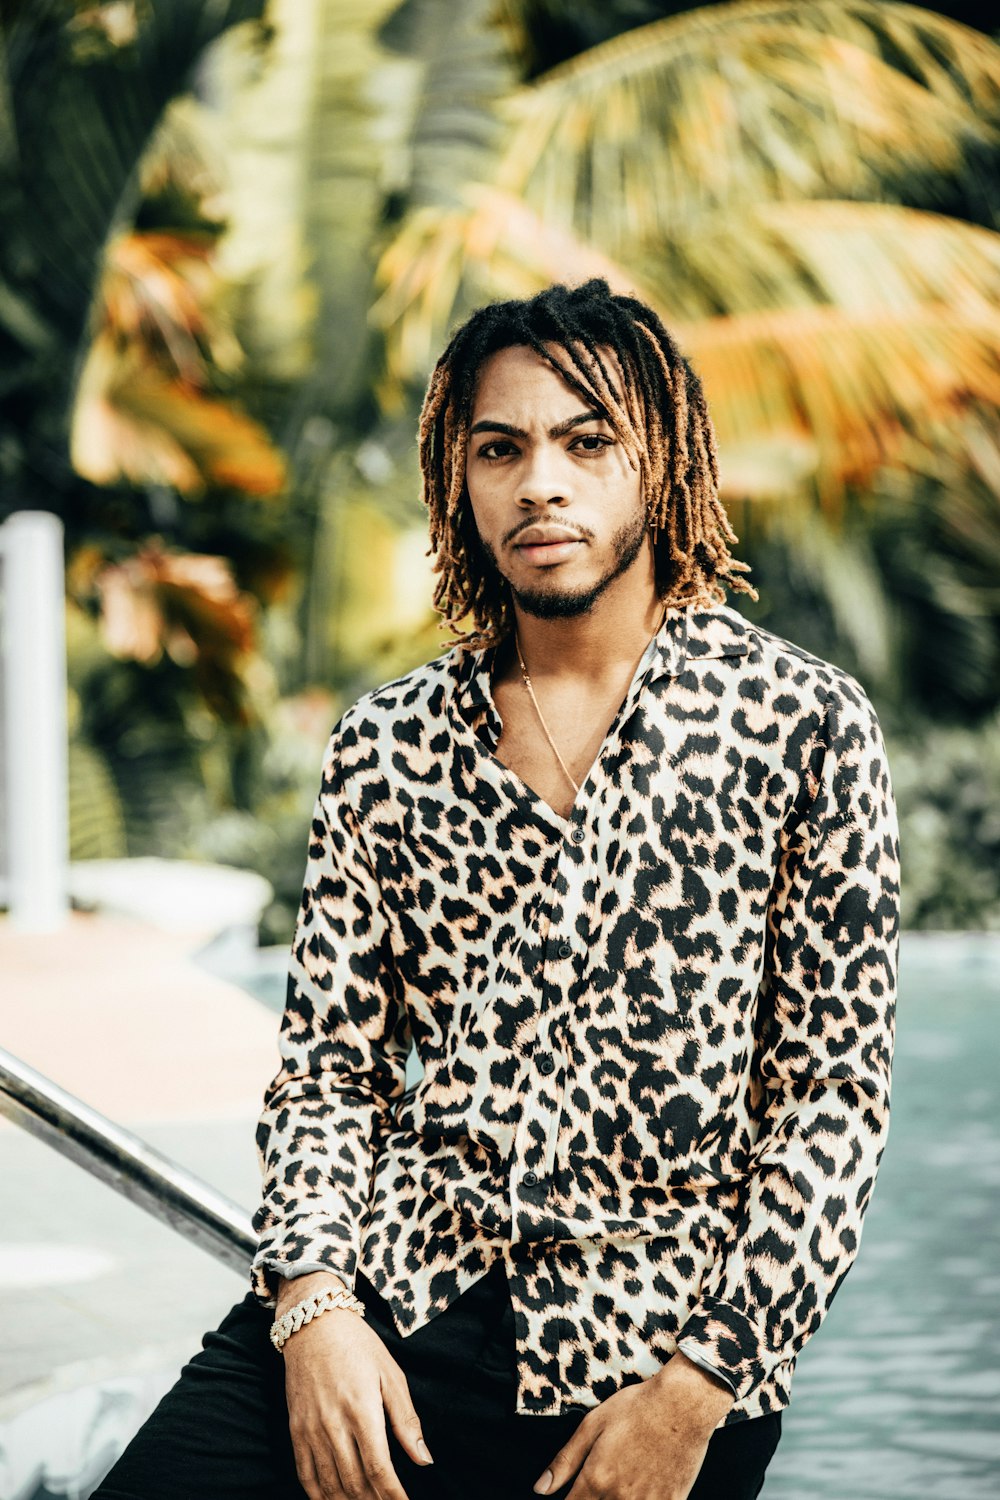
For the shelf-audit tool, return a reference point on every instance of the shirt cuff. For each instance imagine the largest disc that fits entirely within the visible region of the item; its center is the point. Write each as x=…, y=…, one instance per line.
x=266, y=1275
x=299, y=1249
x=722, y=1339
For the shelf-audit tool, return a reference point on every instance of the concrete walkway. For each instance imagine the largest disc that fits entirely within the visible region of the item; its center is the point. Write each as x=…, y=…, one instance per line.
x=122, y=1015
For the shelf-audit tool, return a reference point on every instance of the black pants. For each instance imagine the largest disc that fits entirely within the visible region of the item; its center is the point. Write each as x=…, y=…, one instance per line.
x=221, y=1433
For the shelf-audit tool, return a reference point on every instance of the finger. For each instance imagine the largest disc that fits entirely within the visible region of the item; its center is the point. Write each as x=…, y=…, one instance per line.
x=308, y=1475
x=371, y=1479
x=568, y=1460
x=329, y=1472
x=403, y=1418
x=306, y=1471
x=376, y=1460
x=352, y=1481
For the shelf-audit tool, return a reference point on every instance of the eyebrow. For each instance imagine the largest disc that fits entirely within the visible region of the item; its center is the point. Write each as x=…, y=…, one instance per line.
x=558, y=431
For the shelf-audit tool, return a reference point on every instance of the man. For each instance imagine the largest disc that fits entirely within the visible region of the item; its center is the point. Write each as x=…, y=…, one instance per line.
x=622, y=871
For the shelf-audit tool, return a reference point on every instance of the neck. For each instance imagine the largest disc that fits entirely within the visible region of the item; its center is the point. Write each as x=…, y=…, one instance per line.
x=590, y=647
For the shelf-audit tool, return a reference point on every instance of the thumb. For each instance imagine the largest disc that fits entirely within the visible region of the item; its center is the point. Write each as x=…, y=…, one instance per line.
x=403, y=1419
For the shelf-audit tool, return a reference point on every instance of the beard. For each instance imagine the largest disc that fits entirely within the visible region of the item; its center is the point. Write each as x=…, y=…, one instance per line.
x=554, y=603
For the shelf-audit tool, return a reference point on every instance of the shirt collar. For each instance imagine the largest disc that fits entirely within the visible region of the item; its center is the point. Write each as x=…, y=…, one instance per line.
x=715, y=632
x=686, y=635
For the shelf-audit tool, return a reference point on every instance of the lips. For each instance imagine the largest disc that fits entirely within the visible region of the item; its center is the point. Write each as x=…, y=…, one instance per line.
x=545, y=536
x=549, y=549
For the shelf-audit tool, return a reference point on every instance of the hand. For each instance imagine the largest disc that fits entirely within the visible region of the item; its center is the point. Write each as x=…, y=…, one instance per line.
x=341, y=1384
x=646, y=1442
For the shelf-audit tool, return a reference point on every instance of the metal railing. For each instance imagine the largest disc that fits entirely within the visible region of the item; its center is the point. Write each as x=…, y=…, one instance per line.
x=126, y=1163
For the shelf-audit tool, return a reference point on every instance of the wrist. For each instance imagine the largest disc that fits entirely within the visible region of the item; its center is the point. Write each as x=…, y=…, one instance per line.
x=704, y=1399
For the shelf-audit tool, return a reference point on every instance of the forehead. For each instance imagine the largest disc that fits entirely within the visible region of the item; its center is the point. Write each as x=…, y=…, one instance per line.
x=518, y=377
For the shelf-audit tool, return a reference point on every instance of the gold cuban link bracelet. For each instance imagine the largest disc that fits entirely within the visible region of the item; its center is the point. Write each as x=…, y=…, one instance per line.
x=311, y=1307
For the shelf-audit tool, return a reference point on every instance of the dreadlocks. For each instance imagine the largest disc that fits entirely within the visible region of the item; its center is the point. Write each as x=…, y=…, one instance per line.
x=660, y=417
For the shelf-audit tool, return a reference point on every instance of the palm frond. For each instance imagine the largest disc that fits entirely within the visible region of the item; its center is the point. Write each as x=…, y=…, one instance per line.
x=184, y=604
x=843, y=391
x=101, y=30
x=749, y=101
x=184, y=164
x=858, y=256
x=82, y=130
x=145, y=408
x=966, y=515
x=842, y=567
x=313, y=134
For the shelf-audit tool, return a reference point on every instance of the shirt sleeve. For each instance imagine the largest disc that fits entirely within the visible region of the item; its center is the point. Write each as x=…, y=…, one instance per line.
x=343, y=1045
x=823, y=1055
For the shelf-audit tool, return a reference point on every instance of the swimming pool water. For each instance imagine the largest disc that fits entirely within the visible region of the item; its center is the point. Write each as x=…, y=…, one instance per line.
x=898, y=1394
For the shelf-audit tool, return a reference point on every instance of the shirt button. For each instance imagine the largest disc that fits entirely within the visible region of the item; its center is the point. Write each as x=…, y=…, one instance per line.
x=578, y=835
x=530, y=1179
x=545, y=1062
x=564, y=950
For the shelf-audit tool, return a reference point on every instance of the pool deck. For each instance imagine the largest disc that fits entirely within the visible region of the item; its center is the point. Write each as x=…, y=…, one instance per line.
x=122, y=1015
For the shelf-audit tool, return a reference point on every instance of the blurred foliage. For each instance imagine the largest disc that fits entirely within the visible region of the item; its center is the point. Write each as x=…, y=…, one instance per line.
x=83, y=89
x=714, y=162
x=237, y=241
x=142, y=411
x=947, y=782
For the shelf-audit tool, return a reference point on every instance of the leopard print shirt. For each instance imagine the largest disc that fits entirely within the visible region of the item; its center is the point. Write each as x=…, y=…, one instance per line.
x=652, y=1039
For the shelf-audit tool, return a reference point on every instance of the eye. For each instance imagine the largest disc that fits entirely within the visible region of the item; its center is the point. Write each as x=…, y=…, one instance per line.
x=591, y=442
x=498, y=448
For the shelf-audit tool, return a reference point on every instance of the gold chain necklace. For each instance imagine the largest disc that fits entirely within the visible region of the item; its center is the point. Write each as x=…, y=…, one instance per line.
x=541, y=717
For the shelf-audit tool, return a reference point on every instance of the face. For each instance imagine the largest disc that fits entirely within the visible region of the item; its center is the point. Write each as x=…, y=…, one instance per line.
x=558, y=507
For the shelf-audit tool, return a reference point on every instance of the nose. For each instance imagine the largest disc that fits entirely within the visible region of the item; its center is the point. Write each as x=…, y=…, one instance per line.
x=543, y=479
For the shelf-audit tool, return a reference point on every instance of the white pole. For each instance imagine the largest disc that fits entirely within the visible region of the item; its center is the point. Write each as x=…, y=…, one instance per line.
x=34, y=719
